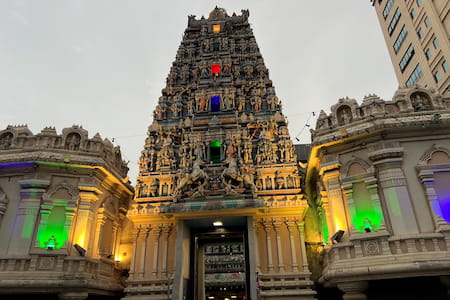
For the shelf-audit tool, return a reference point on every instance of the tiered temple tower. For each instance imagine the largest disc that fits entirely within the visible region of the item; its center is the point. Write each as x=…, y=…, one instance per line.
x=218, y=212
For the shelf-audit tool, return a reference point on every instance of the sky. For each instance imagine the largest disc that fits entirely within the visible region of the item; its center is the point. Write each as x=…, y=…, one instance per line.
x=102, y=63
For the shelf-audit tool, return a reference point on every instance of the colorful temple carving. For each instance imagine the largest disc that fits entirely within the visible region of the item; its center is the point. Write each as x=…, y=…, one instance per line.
x=218, y=150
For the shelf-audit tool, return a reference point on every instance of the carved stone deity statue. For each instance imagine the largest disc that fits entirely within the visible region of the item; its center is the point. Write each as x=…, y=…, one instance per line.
x=6, y=141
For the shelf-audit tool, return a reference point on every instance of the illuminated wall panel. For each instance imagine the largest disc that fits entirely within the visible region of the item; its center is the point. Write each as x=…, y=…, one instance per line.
x=54, y=235
x=442, y=188
x=366, y=217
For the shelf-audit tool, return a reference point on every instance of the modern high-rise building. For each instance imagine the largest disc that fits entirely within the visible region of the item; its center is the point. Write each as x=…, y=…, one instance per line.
x=417, y=35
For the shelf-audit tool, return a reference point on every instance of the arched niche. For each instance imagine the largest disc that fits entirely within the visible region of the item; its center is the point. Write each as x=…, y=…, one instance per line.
x=434, y=172
x=420, y=101
x=6, y=140
x=73, y=141
x=344, y=115
x=55, y=216
x=361, y=193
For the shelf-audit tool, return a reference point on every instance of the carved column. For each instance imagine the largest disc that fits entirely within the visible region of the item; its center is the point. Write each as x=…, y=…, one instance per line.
x=256, y=229
x=277, y=228
x=133, y=258
x=325, y=213
x=301, y=231
x=84, y=217
x=348, y=195
x=143, y=251
x=157, y=232
x=3, y=205
x=372, y=186
x=166, y=234
x=98, y=245
x=115, y=230
x=337, y=212
x=69, y=214
x=388, y=162
x=268, y=229
x=44, y=213
x=25, y=220
x=353, y=290
x=291, y=227
x=427, y=178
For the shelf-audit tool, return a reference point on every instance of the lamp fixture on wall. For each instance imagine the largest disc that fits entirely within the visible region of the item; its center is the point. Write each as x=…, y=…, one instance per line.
x=80, y=250
x=336, y=238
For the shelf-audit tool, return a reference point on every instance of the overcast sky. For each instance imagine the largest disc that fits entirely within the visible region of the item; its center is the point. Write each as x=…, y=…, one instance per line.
x=102, y=63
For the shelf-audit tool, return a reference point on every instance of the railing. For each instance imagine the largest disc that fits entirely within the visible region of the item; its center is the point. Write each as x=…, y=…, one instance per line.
x=57, y=265
x=431, y=244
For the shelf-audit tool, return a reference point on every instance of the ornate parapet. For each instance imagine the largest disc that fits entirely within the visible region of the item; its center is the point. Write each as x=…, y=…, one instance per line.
x=377, y=256
x=412, y=107
x=18, y=143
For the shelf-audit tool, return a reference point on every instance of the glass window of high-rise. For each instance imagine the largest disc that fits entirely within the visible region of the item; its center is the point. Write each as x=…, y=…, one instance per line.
x=401, y=37
x=437, y=76
x=394, y=21
x=415, y=76
x=428, y=53
x=427, y=21
x=435, y=43
x=445, y=66
x=406, y=57
x=387, y=8
x=420, y=33
x=413, y=13
x=419, y=2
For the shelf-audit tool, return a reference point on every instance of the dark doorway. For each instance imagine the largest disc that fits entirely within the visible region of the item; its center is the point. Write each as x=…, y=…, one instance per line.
x=219, y=267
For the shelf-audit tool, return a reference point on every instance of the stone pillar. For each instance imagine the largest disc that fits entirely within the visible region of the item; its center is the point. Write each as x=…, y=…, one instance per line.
x=98, y=245
x=25, y=220
x=388, y=162
x=325, y=213
x=427, y=178
x=256, y=229
x=143, y=256
x=291, y=227
x=268, y=229
x=301, y=231
x=353, y=290
x=157, y=232
x=70, y=213
x=3, y=205
x=85, y=217
x=166, y=235
x=73, y=296
x=133, y=258
x=337, y=211
x=372, y=186
x=45, y=210
x=115, y=237
x=277, y=228
x=348, y=194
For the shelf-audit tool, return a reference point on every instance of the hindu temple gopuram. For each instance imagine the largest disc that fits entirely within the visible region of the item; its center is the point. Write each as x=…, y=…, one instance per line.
x=225, y=207
x=218, y=206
